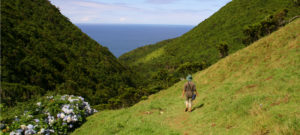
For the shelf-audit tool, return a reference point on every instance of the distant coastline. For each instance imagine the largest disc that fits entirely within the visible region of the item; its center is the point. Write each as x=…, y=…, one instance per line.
x=114, y=24
x=122, y=38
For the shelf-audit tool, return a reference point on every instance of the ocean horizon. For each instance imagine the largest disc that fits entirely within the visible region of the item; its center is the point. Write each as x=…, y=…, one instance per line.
x=122, y=38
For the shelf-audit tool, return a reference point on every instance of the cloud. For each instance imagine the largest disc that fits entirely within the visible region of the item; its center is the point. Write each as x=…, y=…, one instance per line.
x=122, y=19
x=103, y=6
x=80, y=11
x=161, y=1
x=192, y=11
x=85, y=19
x=176, y=12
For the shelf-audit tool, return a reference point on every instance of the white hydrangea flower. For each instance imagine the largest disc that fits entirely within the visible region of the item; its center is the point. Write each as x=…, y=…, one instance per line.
x=51, y=120
x=95, y=111
x=58, y=115
x=15, y=133
x=86, y=103
x=69, y=119
x=42, y=131
x=81, y=98
x=19, y=131
x=71, y=111
x=63, y=97
x=36, y=120
x=30, y=132
x=24, y=127
x=74, y=118
x=30, y=126
x=72, y=99
x=65, y=118
x=62, y=115
x=49, y=97
x=47, y=113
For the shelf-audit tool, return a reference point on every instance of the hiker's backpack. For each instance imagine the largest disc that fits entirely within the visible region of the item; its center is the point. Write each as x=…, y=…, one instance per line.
x=189, y=92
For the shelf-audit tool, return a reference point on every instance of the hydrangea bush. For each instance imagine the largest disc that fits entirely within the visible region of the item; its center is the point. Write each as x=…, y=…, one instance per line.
x=52, y=115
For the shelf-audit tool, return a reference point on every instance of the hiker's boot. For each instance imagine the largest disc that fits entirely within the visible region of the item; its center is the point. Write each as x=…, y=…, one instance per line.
x=186, y=109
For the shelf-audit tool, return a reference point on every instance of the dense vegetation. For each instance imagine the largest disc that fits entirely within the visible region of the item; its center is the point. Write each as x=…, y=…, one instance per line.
x=265, y=27
x=42, y=51
x=216, y=37
x=50, y=115
x=253, y=91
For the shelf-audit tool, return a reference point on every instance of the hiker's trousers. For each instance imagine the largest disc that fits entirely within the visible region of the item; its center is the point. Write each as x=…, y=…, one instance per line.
x=188, y=102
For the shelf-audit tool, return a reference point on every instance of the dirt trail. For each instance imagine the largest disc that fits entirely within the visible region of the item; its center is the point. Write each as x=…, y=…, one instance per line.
x=182, y=121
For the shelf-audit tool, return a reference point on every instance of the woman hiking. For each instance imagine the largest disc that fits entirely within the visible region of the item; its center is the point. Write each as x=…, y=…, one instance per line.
x=189, y=91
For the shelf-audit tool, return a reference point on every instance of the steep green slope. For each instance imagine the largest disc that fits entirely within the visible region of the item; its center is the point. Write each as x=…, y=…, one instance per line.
x=200, y=44
x=41, y=51
x=141, y=54
x=253, y=91
x=145, y=54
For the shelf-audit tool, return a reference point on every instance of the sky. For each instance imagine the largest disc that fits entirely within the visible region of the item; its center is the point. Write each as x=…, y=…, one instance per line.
x=176, y=12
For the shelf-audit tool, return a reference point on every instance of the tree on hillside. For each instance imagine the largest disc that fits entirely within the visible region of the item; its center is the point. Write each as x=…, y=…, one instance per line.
x=264, y=27
x=43, y=52
x=223, y=49
x=189, y=68
x=297, y=2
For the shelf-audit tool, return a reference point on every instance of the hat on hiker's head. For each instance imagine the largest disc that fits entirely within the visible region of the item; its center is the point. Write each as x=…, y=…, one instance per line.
x=189, y=78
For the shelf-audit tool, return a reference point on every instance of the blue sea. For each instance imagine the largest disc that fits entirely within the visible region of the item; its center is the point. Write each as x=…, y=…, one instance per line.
x=124, y=38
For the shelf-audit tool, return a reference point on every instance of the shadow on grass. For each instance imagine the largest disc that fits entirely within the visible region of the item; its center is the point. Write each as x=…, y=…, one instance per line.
x=197, y=107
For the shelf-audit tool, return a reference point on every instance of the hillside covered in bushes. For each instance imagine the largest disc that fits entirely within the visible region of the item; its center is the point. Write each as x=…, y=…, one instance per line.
x=42, y=52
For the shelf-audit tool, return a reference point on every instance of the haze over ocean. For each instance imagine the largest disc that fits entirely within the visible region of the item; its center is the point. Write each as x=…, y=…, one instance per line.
x=122, y=38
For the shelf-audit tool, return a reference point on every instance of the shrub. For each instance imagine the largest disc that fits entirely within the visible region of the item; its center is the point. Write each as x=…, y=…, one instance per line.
x=12, y=93
x=265, y=27
x=189, y=68
x=52, y=115
x=223, y=49
x=297, y=2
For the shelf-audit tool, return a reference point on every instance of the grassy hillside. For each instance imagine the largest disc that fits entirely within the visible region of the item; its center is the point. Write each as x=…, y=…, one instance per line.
x=253, y=91
x=42, y=51
x=200, y=44
x=143, y=53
